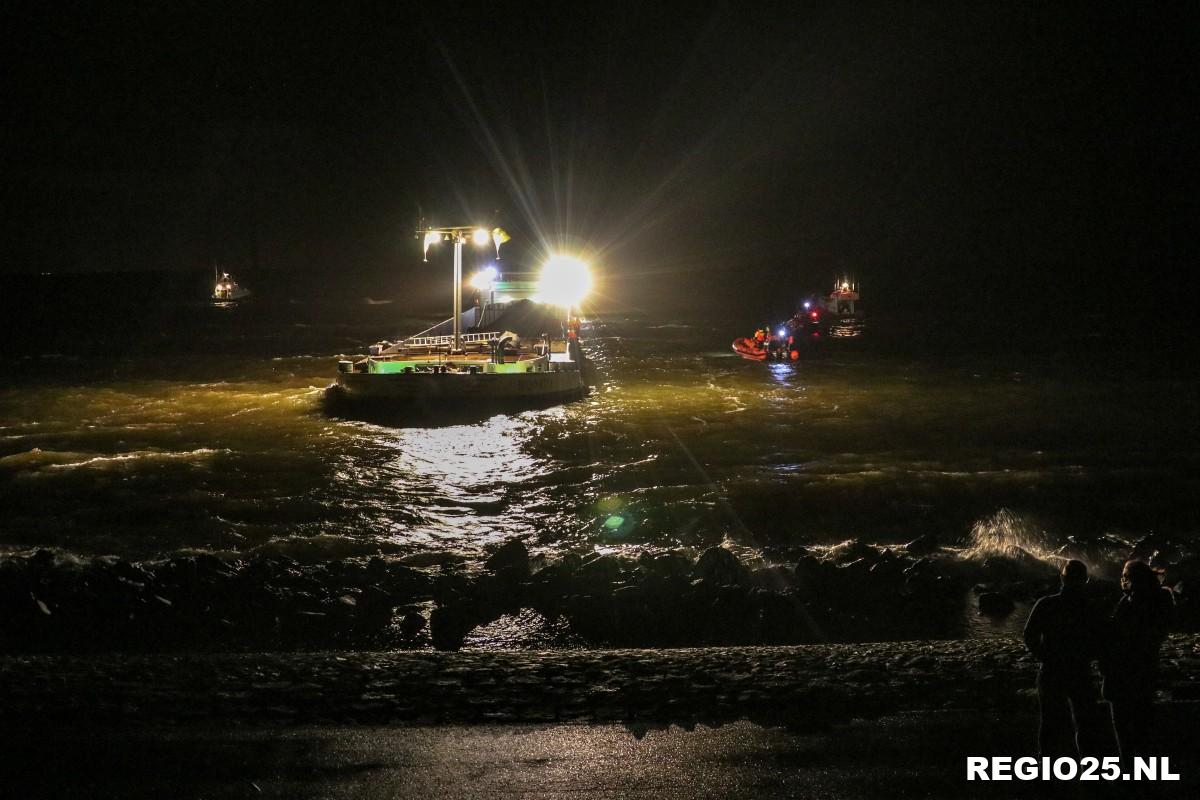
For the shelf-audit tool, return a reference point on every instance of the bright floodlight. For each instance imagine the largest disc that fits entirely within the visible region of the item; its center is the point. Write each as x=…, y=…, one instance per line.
x=564, y=281
x=481, y=237
x=484, y=279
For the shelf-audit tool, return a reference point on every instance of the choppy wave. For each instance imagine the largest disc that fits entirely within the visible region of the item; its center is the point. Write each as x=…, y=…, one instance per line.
x=697, y=448
x=37, y=459
x=324, y=547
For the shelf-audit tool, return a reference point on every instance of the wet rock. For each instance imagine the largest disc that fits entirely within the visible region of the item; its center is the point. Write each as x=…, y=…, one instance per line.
x=498, y=595
x=887, y=574
x=779, y=620
x=851, y=582
x=404, y=583
x=1103, y=553
x=776, y=577
x=599, y=574
x=570, y=563
x=852, y=550
x=412, y=623
x=994, y=604
x=377, y=569
x=719, y=566
x=630, y=594
x=635, y=620
x=450, y=588
x=512, y=559
x=595, y=618
x=128, y=572
x=449, y=625
x=548, y=587
x=810, y=576
x=208, y=563
x=375, y=606
x=664, y=564
x=923, y=545
x=40, y=605
x=922, y=567
x=1017, y=565
x=732, y=617
x=1155, y=546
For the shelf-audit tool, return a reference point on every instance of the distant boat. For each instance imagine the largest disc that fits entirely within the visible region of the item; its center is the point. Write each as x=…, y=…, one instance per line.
x=227, y=290
x=838, y=315
x=843, y=301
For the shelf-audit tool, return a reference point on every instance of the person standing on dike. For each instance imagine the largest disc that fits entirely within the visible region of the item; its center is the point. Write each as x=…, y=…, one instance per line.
x=1063, y=633
x=1137, y=630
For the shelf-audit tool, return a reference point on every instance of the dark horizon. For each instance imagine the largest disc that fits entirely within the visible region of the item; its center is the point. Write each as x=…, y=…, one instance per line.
x=1019, y=156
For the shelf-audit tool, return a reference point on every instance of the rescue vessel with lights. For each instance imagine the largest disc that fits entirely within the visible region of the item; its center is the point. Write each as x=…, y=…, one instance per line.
x=841, y=311
x=837, y=315
x=519, y=345
x=227, y=289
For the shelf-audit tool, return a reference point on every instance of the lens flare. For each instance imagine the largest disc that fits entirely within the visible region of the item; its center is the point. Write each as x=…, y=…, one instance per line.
x=564, y=281
x=484, y=279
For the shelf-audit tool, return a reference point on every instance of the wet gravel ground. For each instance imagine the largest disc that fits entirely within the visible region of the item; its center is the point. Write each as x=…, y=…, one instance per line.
x=911, y=755
x=799, y=687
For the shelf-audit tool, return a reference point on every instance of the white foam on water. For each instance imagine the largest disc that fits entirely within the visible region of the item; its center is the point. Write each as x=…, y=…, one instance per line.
x=38, y=460
x=1008, y=534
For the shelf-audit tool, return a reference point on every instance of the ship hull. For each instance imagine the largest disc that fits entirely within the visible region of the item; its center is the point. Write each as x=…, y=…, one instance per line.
x=422, y=387
x=398, y=397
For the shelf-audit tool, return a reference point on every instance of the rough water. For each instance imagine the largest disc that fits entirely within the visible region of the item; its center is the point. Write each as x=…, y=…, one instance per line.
x=169, y=426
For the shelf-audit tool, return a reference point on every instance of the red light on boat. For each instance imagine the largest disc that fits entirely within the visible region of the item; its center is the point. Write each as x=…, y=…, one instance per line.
x=815, y=315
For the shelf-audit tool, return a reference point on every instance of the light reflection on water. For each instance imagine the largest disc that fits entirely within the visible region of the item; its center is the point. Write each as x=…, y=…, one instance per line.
x=685, y=443
x=460, y=477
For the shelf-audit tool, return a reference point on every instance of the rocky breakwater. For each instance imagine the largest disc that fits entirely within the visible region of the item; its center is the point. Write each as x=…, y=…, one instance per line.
x=852, y=592
x=55, y=603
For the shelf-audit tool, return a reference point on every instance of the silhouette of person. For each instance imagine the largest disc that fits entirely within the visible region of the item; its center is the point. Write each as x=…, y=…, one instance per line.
x=1130, y=663
x=1062, y=633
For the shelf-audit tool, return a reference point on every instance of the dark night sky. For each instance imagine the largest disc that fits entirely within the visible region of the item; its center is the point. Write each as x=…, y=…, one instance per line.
x=1035, y=146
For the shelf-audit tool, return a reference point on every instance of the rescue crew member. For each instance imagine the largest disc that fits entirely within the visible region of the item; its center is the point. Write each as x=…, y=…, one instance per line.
x=573, y=339
x=773, y=343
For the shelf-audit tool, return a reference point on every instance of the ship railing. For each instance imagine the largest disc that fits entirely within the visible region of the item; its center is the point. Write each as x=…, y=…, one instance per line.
x=440, y=341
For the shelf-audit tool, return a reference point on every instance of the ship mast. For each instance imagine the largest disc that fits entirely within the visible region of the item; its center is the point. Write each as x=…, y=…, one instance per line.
x=459, y=235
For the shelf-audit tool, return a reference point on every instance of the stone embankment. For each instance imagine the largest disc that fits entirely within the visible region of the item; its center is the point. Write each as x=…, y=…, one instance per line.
x=801, y=687
x=853, y=592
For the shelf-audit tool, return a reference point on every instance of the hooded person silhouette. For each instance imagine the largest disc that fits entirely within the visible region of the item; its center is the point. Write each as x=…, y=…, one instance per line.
x=1136, y=632
x=1063, y=633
